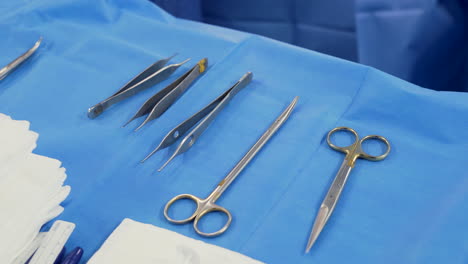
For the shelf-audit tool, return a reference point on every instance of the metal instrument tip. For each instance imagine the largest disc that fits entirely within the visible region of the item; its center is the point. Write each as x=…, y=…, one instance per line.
x=151, y=154
x=167, y=162
x=319, y=223
x=38, y=42
x=162, y=167
x=185, y=61
x=294, y=101
x=311, y=242
x=128, y=122
x=95, y=111
x=175, y=54
x=138, y=128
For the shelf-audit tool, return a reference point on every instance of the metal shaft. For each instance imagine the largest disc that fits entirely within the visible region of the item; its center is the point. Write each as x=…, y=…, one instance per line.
x=224, y=184
x=14, y=64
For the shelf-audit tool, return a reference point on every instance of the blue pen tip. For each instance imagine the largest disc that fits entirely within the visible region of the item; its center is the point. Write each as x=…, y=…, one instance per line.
x=73, y=257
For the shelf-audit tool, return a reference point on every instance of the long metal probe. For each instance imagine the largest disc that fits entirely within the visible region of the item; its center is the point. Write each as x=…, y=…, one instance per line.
x=14, y=64
x=224, y=184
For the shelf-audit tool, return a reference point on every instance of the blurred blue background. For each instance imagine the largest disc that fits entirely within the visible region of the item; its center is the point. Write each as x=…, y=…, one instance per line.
x=422, y=41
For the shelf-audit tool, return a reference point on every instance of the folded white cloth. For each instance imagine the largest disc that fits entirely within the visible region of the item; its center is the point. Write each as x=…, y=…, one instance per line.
x=31, y=188
x=134, y=242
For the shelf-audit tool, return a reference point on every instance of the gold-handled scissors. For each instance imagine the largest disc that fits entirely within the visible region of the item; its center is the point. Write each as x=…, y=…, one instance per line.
x=207, y=205
x=353, y=152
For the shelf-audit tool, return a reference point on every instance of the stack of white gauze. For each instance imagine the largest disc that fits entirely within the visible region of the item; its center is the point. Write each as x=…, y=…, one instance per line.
x=134, y=242
x=31, y=188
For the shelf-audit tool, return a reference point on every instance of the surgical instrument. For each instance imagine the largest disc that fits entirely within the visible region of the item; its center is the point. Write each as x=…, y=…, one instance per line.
x=203, y=117
x=161, y=101
x=14, y=64
x=53, y=243
x=353, y=152
x=207, y=205
x=149, y=77
x=73, y=257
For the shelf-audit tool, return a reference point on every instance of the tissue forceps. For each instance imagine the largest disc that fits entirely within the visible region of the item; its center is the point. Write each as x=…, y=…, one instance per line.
x=151, y=76
x=157, y=104
x=14, y=64
x=207, y=205
x=203, y=117
x=353, y=152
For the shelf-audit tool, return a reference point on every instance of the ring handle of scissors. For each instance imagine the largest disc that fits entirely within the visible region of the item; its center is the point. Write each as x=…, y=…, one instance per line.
x=208, y=208
x=367, y=156
x=203, y=207
x=347, y=149
x=195, y=199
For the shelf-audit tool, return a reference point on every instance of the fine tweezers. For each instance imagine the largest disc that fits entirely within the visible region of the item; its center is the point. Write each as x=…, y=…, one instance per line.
x=162, y=100
x=14, y=64
x=203, y=117
x=147, y=78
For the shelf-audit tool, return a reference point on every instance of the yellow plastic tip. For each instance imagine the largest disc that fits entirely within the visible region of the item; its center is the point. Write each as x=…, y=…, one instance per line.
x=202, y=64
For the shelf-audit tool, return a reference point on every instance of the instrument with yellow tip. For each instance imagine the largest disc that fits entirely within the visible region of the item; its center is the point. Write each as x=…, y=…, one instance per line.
x=157, y=104
x=353, y=152
x=151, y=76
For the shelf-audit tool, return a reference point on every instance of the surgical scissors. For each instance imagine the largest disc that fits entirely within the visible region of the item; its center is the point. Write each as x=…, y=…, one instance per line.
x=207, y=205
x=353, y=152
x=14, y=64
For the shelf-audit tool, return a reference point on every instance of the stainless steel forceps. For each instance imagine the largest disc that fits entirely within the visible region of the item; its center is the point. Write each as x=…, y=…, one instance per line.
x=146, y=79
x=162, y=100
x=207, y=205
x=203, y=117
x=14, y=64
x=353, y=152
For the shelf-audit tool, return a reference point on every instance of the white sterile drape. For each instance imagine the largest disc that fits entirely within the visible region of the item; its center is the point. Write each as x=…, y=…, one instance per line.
x=134, y=242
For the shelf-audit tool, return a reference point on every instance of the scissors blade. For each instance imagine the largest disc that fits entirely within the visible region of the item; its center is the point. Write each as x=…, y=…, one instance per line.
x=319, y=223
x=329, y=203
